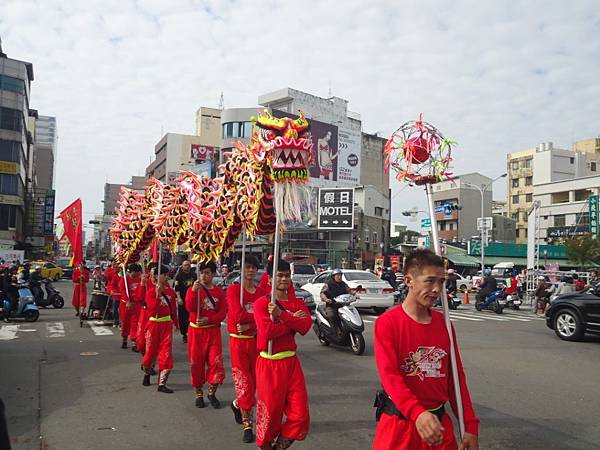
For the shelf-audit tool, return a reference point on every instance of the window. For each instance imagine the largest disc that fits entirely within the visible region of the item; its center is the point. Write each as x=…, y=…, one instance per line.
x=49, y=266
x=375, y=237
x=559, y=220
x=515, y=199
x=12, y=84
x=572, y=160
x=515, y=182
x=525, y=216
x=10, y=151
x=228, y=130
x=9, y=184
x=247, y=130
x=582, y=219
x=560, y=197
x=528, y=198
x=592, y=167
x=11, y=119
x=378, y=211
x=528, y=181
x=526, y=163
x=518, y=233
x=515, y=216
x=581, y=195
x=8, y=217
x=515, y=165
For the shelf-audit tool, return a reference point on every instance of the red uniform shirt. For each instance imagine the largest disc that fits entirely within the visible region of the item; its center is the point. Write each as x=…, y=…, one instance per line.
x=414, y=365
x=136, y=289
x=156, y=307
x=77, y=275
x=115, y=285
x=214, y=313
x=239, y=314
x=109, y=273
x=282, y=331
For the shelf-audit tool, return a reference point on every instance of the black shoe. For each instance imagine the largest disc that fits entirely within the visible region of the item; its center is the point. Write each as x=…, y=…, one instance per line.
x=124, y=344
x=165, y=389
x=152, y=371
x=237, y=413
x=200, y=402
x=215, y=403
x=248, y=435
x=146, y=381
x=135, y=349
x=184, y=338
x=77, y=314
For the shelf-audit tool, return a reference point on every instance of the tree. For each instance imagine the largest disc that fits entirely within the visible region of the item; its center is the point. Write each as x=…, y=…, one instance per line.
x=582, y=250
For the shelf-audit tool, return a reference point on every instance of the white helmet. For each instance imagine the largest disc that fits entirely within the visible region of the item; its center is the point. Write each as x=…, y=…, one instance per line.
x=450, y=271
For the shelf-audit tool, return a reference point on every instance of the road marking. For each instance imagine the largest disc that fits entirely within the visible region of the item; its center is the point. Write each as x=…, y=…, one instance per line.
x=101, y=330
x=368, y=321
x=458, y=316
x=55, y=329
x=8, y=332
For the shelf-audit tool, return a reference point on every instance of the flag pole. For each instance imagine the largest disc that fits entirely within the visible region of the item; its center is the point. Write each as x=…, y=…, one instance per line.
x=242, y=267
x=453, y=358
x=275, y=263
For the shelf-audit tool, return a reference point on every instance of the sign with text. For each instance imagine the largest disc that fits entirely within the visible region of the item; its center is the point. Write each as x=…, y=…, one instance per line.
x=202, y=152
x=425, y=224
x=8, y=167
x=594, y=211
x=336, y=208
x=349, y=146
x=49, y=212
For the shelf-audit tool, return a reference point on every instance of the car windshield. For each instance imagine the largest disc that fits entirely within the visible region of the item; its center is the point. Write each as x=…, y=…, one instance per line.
x=356, y=276
x=304, y=269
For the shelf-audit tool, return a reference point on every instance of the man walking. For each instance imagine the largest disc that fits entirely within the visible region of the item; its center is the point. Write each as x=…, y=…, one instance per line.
x=184, y=278
x=132, y=297
x=80, y=278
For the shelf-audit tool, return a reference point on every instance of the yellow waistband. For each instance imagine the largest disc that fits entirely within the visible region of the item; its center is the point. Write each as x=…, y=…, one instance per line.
x=160, y=319
x=277, y=356
x=195, y=325
x=241, y=336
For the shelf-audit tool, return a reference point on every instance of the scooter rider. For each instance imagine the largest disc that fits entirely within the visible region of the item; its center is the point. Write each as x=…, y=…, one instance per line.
x=488, y=285
x=335, y=286
x=451, y=282
x=35, y=283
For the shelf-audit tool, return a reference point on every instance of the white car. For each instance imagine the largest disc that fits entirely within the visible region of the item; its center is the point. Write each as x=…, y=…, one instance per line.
x=371, y=291
x=464, y=284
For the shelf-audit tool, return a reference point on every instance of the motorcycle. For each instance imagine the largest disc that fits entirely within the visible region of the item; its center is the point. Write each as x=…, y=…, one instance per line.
x=26, y=308
x=453, y=301
x=513, y=301
x=496, y=302
x=400, y=294
x=52, y=297
x=351, y=325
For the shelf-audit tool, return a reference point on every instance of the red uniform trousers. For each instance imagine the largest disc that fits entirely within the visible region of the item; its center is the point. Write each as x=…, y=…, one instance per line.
x=393, y=433
x=206, y=355
x=129, y=320
x=159, y=340
x=140, y=342
x=243, y=354
x=281, y=390
x=79, y=295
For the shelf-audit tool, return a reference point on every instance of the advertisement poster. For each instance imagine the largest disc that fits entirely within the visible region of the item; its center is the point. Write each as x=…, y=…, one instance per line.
x=348, y=160
x=202, y=152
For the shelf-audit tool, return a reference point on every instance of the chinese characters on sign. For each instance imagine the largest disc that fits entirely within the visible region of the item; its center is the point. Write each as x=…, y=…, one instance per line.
x=594, y=211
x=336, y=209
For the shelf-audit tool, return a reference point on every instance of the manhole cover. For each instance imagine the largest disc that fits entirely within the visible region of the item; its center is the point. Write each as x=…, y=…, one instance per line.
x=89, y=353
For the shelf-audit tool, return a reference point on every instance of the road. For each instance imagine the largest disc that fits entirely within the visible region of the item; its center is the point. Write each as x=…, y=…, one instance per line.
x=67, y=387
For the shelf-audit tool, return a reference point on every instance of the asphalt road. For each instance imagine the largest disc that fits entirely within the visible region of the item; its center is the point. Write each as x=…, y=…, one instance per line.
x=67, y=387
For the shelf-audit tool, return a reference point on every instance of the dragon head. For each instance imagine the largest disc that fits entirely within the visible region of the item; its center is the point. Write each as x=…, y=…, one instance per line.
x=287, y=145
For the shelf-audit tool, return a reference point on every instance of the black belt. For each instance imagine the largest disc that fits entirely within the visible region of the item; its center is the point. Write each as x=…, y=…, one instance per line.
x=385, y=405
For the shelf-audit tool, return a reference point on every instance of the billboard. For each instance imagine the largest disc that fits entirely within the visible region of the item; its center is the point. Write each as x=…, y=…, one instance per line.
x=201, y=152
x=49, y=213
x=203, y=168
x=336, y=209
x=348, y=160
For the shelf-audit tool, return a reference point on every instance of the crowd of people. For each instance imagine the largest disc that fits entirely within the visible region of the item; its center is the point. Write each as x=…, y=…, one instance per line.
x=267, y=374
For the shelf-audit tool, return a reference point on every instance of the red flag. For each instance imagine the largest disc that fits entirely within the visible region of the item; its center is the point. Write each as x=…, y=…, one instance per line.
x=72, y=222
x=155, y=251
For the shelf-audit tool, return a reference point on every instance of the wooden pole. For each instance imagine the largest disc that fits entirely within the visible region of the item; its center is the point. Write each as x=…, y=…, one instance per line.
x=275, y=263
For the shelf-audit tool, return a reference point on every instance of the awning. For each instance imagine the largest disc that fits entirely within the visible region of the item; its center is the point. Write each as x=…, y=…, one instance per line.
x=463, y=260
x=493, y=260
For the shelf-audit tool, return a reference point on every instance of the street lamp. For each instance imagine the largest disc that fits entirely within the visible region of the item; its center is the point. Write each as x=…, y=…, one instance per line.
x=482, y=190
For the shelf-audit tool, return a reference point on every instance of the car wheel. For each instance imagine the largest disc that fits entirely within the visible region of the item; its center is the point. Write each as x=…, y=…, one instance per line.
x=357, y=343
x=379, y=310
x=567, y=325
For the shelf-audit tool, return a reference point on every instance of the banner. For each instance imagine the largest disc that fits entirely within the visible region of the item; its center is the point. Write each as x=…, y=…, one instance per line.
x=348, y=159
x=71, y=219
x=201, y=152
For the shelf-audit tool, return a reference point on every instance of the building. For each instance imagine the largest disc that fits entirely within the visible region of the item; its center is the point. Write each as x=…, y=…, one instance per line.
x=591, y=148
x=504, y=229
x=551, y=164
x=460, y=224
x=499, y=208
x=16, y=142
x=396, y=229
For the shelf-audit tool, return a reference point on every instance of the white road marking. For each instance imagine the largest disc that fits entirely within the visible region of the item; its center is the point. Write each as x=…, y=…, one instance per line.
x=55, y=329
x=101, y=330
x=484, y=316
x=458, y=316
x=8, y=332
x=368, y=321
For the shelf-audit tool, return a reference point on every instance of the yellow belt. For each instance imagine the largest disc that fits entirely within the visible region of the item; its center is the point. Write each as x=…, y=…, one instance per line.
x=241, y=336
x=278, y=356
x=194, y=325
x=160, y=319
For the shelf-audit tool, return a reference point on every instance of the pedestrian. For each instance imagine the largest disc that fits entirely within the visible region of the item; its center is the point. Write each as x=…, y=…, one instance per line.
x=412, y=352
x=132, y=291
x=162, y=317
x=280, y=385
x=81, y=276
x=241, y=327
x=184, y=278
x=115, y=289
x=207, y=306
x=593, y=281
x=541, y=296
x=109, y=274
x=578, y=283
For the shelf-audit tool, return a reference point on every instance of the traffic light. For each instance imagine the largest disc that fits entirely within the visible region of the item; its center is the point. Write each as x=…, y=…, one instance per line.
x=456, y=206
x=406, y=213
x=94, y=222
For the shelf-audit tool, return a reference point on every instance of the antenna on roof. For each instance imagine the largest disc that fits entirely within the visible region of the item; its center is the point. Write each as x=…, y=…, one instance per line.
x=221, y=102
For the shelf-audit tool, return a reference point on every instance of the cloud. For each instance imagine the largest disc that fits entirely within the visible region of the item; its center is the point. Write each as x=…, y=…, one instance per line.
x=496, y=77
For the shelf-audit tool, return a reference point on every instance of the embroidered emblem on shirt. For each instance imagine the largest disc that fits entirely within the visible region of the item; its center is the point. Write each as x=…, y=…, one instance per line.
x=425, y=362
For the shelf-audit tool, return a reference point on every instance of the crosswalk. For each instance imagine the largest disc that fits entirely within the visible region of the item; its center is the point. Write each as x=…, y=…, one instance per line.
x=470, y=314
x=53, y=330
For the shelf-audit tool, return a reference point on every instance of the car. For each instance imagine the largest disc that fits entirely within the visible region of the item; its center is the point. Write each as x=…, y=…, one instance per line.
x=464, y=284
x=573, y=315
x=49, y=270
x=302, y=273
x=371, y=291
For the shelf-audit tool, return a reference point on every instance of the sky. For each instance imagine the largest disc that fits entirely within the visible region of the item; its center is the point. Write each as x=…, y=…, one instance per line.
x=117, y=74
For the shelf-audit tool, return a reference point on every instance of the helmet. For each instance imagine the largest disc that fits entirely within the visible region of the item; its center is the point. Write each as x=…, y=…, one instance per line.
x=487, y=272
x=336, y=272
x=38, y=267
x=450, y=271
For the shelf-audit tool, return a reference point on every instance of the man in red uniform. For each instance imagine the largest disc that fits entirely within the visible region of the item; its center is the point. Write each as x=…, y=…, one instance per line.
x=143, y=316
x=242, y=344
x=280, y=385
x=161, y=302
x=80, y=278
x=412, y=351
x=132, y=297
x=207, y=306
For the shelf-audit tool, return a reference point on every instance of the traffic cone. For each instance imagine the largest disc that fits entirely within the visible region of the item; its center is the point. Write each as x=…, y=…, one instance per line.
x=466, y=298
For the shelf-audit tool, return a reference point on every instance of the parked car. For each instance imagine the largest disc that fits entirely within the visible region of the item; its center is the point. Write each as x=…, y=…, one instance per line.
x=302, y=273
x=371, y=291
x=49, y=270
x=573, y=315
x=464, y=284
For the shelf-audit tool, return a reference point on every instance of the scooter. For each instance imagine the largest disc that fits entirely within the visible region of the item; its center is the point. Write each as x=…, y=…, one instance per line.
x=400, y=294
x=351, y=325
x=496, y=302
x=513, y=301
x=52, y=297
x=453, y=301
x=26, y=308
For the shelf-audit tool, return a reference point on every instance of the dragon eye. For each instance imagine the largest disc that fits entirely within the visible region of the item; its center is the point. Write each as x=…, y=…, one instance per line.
x=269, y=134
